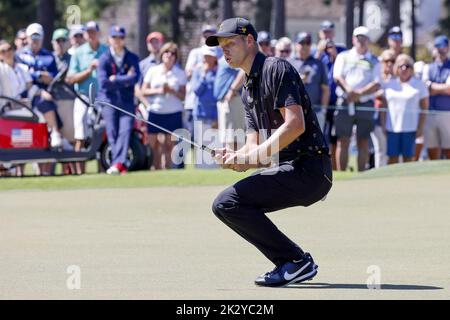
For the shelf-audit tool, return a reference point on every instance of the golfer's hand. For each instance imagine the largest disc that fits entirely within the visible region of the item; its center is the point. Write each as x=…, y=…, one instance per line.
x=236, y=161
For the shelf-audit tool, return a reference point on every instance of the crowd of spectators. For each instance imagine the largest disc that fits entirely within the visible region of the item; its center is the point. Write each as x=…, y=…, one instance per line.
x=396, y=109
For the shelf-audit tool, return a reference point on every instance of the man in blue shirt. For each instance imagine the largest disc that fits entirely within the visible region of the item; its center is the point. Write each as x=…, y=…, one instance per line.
x=82, y=73
x=314, y=75
x=327, y=32
x=118, y=73
x=437, y=77
x=42, y=67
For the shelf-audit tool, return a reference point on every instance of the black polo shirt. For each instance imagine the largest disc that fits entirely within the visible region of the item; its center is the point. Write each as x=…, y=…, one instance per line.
x=273, y=83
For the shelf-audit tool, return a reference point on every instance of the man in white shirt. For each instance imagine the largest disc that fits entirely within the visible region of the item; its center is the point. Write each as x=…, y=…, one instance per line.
x=357, y=73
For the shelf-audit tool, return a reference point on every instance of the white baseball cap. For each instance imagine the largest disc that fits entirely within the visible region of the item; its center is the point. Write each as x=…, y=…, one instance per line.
x=76, y=29
x=361, y=31
x=35, y=28
x=209, y=51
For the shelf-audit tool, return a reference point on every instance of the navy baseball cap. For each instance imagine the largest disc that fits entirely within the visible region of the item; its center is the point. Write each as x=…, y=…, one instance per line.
x=327, y=25
x=117, y=31
x=441, y=42
x=92, y=25
x=230, y=28
x=209, y=28
x=395, y=33
x=264, y=36
x=303, y=36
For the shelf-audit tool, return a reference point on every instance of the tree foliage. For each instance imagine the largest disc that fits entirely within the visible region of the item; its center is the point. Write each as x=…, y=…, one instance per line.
x=445, y=22
x=20, y=13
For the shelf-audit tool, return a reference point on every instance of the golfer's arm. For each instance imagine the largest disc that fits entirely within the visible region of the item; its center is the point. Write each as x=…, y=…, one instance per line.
x=293, y=127
x=251, y=143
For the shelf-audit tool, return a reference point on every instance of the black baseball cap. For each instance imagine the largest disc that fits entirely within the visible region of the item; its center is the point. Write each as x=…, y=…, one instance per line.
x=230, y=28
x=303, y=36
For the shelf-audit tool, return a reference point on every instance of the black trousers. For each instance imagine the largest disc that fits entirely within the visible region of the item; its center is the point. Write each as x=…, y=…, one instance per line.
x=243, y=206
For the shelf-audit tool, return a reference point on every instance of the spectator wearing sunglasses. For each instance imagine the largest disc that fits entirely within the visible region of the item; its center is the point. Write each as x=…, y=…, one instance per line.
x=379, y=139
x=406, y=97
x=60, y=42
x=21, y=80
x=327, y=33
x=76, y=37
x=357, y=73
x=165, y=88
x=264, y=39
x=118, y=73
x=395, y=40
x=436, y=75
x=314, y=75
x=21, y=40
x=283, y=49
x=41, y=65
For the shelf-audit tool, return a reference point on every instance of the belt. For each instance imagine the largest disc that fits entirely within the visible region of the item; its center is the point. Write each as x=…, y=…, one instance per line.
x=323, y=151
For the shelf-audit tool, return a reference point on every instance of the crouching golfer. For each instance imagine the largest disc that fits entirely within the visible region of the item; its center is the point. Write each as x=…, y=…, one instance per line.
x=276, y=102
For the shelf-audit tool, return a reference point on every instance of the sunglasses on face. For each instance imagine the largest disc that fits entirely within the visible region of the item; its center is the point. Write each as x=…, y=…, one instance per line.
x=404, y=67
x=264, y=44
x=362, y=38
x=285, y=51
x=118, y=38
x=61, y=40
x=305, y=43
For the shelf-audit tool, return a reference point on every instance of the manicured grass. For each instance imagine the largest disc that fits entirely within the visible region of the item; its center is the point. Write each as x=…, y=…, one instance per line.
x=408, y=169
x=194, y=177
x=187, y=177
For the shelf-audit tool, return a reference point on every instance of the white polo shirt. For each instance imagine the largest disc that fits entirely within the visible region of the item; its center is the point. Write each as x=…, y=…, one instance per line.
x=404, y=104
x=357, y=70
x=157, y=76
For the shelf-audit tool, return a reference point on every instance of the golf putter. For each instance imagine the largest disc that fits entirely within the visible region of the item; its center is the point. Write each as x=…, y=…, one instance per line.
x=93, y=102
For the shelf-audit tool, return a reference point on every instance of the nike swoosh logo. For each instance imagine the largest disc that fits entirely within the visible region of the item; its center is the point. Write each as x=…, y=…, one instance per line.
x=289, y=277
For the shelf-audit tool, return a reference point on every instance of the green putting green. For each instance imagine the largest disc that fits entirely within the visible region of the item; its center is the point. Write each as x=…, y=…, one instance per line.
x=153, y=236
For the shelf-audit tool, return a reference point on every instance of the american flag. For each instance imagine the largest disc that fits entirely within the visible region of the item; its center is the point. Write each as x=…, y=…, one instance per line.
x=22, y=137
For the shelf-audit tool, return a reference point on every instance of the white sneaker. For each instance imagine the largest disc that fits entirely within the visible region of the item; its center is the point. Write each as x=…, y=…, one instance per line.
x=56, y=140
x=113, y=171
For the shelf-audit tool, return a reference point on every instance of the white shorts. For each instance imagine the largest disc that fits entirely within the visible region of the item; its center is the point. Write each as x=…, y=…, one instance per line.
x=231, y=117
x=80, y=119
x=65, y=111
x=437, y=130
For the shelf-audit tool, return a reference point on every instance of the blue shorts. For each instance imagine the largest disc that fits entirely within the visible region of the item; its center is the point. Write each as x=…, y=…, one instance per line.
x=401, y=144
x=171, y=122
x=44, y=106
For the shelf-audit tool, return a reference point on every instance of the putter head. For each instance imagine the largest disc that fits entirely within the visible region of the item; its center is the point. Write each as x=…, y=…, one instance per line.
x=92, y=94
